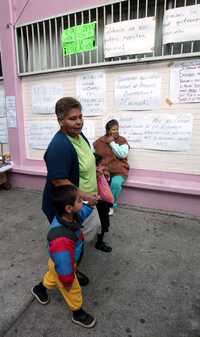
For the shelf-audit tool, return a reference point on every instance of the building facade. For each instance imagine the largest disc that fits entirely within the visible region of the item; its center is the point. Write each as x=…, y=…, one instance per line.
x=153, y=91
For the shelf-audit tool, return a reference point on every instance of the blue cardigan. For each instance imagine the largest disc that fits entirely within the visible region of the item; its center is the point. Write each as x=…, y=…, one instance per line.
x=62, y=163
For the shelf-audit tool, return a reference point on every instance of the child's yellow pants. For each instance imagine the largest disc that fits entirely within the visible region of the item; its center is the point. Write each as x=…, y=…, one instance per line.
x=72, y=297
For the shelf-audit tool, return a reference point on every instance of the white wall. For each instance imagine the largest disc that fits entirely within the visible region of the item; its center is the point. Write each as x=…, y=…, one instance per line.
x=185, y=162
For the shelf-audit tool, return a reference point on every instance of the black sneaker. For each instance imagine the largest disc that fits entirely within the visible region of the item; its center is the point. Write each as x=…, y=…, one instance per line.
x=84, y=319
x=82, y=278
x=103, y=247
x=40, y=293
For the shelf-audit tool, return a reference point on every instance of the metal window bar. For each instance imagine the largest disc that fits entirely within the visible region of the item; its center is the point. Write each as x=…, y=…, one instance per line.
x=39, y=43
x=57, y=48
x=1, y=73
x=23, y=52
x=90, y=54
x=33, y=45
x=62, y=29
x=155, y=16
x=165, y=7
x=70, y=57
x=28, y=49
x=75, y=22
x=45, y=44
x=129, y=10
x=97, y=35
x=50, y=45
x=39, y=47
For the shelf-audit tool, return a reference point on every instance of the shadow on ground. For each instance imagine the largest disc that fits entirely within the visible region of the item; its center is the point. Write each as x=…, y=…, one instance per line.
x=147, y=287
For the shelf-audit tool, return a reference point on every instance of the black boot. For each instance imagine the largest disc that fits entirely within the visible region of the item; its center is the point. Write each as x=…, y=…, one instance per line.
x=81, y=317
x=40, y=293
x=101, y=245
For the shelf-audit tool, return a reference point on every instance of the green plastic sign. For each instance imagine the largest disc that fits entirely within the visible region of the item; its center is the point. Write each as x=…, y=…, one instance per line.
x=79, y=38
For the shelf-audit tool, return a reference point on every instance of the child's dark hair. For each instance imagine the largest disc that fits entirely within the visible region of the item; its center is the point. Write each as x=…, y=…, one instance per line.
x=63, y=196
x=98, y=159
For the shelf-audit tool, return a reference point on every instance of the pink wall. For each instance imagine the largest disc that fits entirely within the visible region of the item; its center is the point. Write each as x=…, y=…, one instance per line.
x=39, y=9
x=144, y=188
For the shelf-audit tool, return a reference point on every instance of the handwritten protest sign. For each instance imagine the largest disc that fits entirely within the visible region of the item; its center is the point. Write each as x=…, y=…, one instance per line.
x=11, y=111
x=166, y=132
x=44, y=97
x=129, y=37
x=185, y=82
x=41, y=133
x=138, y=91
x=181, y=24
x=3, y=131
x=2, y=103
x=90, y=88
x=79, y=38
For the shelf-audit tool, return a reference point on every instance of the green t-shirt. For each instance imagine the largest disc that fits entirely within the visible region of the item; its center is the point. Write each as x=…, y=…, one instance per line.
x=87, y=166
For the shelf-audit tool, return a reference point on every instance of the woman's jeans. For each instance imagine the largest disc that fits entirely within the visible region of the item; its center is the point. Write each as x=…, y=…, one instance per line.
x=116, y=187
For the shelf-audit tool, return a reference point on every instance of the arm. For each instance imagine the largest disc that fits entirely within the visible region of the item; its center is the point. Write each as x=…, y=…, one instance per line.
x=59, y=166
x=62, y=253
x=120, y=151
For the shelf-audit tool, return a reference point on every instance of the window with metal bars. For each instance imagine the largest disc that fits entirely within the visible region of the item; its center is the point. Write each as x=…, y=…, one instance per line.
x=39, y=43
x=1, y=73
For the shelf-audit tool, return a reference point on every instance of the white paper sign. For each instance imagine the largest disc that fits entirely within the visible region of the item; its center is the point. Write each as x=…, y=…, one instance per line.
x=138, y=91
x=90, y=89
x=11, y=111
x=44, y=98
x=158, y=132
x=185, y=82
x=89, y=130
x=2, y=103
x=181, y=24
x=129, y=37
x=3, y=131
x=41, y=133
x=93, y=130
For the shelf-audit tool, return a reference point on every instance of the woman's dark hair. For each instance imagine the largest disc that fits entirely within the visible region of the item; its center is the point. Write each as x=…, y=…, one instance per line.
x=65, y=105
x=63, y=196
x=110, y=124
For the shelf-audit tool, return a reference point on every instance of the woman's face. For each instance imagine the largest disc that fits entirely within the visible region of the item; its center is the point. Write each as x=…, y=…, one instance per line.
x=72, y=123
x=114, y=131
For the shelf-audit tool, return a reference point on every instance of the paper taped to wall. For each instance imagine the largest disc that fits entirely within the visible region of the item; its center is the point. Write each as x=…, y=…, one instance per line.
x=167, y=132
x=11, y=111
x=90, y=90
x=2, y=103
x=3, y=131
x=41, y=133
x=138, y=91
x=45, y=96
x=185, y=82
x=129, y=37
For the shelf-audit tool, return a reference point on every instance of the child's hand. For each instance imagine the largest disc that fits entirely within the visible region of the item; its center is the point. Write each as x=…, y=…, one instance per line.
x=92, y=199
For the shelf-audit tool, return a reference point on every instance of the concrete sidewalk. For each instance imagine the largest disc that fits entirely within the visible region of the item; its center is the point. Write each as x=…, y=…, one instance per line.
x=149, y=286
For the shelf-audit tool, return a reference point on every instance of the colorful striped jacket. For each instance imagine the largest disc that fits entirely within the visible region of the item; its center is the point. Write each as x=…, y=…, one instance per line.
x=65, y=244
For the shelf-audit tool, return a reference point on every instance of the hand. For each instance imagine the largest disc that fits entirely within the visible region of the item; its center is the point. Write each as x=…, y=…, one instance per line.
x=110, y=139
x=99, y=171
x=107, y=175
x=92, y=199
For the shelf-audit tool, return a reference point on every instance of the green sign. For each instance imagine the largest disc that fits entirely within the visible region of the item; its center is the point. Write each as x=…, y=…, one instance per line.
x=79, y=38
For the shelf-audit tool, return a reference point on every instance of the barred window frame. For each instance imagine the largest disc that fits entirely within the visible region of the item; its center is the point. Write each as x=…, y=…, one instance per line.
x=39, y=43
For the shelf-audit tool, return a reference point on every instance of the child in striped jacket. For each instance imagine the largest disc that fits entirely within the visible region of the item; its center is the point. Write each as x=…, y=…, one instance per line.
x=65, y=245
